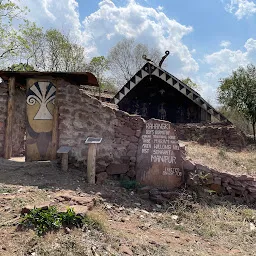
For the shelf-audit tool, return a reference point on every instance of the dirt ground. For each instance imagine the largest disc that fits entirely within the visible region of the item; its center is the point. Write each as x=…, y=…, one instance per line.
x=130, y=225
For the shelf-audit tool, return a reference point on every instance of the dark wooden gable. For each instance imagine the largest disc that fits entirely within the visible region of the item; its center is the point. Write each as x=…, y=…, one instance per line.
x=153, y=92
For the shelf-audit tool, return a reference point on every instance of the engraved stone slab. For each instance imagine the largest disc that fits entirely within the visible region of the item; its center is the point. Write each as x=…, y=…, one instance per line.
x=159, y=161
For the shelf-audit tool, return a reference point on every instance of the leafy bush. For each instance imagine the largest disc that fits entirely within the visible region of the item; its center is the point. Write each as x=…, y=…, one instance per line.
x=44, y=220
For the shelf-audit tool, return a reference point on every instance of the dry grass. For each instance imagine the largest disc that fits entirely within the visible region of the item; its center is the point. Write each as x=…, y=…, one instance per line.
x=216, y=221
x=223, y=159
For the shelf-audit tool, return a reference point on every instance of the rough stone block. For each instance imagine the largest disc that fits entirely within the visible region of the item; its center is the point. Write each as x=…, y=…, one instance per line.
x=101, y=177
x=131, y=173
x=217, y=180
x=170, y=195
x=202, y=168
x=126, y=131
x=117, y=169
x=131, y=153
x=134, y=139
x=132, y=147
x=188, y=165
x=216, y=187
x=252, y=189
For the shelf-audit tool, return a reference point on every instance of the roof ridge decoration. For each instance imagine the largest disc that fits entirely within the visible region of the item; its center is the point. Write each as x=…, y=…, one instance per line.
x=150, y=69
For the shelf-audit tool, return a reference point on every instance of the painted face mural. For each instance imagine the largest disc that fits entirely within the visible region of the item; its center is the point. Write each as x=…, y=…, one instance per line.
x=40, y=106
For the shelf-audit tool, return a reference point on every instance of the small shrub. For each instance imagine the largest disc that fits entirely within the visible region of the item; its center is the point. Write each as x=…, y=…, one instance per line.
x=44, y=220
x=129, y=184
x=5, y=190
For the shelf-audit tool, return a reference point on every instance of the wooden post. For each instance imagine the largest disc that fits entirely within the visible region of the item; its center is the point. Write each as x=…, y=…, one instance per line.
x=91, y=163
x=63, y=150
x=64, y=162
x=55, y=126
x=9, y=121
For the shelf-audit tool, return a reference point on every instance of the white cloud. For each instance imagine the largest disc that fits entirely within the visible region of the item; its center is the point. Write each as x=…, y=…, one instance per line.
x=250, y=45
x=62, y=15
x=225, y=44
x=160, y=8
x=220, y=64
x=226, y=60
x=102, y=29
x=241, y=8
x=146, y=25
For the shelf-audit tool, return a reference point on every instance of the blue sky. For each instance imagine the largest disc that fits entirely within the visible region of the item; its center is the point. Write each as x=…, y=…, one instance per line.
x=207, y=38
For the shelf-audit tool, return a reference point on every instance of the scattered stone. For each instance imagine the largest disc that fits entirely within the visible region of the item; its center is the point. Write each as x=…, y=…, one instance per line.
x=154, y=192
x=252, y=226
x=126, y=250
x=174, y=217
x=143, y=190
x=43, y=206
x=80, y=209
x=67, y=230
x=170, y=194
x=144, y=211
x=7, y=208
x=158, y=199
x=124, y=219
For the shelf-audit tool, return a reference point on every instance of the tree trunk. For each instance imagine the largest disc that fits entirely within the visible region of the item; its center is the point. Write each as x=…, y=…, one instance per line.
x=253, y=128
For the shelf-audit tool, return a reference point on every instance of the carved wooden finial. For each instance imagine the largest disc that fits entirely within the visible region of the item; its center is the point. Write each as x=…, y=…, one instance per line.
x=163, y=58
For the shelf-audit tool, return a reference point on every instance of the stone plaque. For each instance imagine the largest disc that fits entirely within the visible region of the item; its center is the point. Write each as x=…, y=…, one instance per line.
x=159, y=161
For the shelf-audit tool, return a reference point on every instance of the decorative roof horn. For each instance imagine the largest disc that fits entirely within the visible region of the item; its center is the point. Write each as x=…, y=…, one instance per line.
x=161, y=61
x=163, y=58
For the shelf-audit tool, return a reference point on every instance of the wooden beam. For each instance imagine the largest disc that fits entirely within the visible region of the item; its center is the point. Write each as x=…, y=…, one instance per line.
x=9, y=121
x=55, y=124
x=91, y=164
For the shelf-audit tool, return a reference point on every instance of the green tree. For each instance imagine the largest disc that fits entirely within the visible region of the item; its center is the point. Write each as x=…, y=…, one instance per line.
x=191, y=84
x=125, y=59
x=32, y=45
x=61, y=54
x=50, y=50
x=99, y=66
x=237, y=119
x=238, y=92
x=9, y=37
x=21, y=67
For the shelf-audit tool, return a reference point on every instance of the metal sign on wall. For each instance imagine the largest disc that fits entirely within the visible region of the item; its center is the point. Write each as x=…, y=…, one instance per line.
x=159, y=160
x=40, y=103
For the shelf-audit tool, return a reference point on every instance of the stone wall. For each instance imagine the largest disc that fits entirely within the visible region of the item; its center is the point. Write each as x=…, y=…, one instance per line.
x=81, y=116
x=214, y=134
x=243, y=186
x=3, y=114
x=19, y=123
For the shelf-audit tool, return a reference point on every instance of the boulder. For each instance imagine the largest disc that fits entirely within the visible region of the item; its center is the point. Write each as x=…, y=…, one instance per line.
x=188, y=165
x=117, y=169
x=170, y=195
